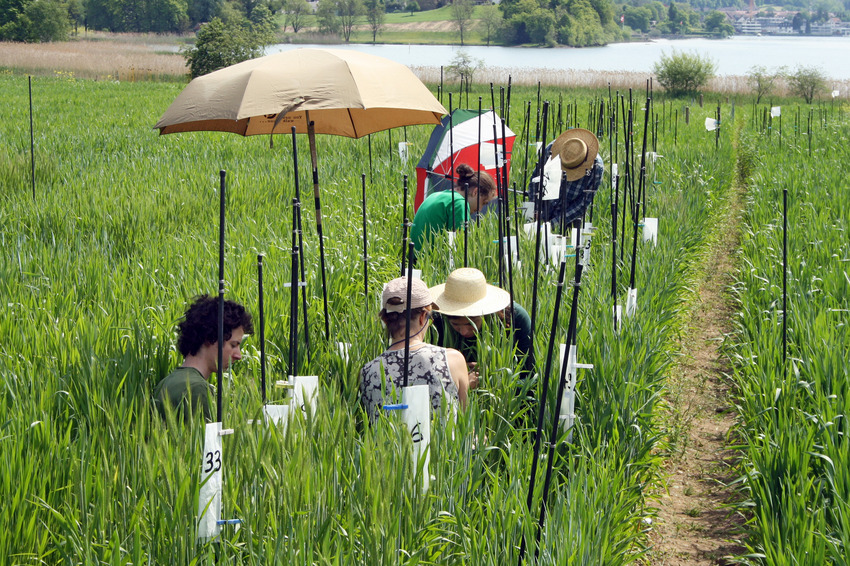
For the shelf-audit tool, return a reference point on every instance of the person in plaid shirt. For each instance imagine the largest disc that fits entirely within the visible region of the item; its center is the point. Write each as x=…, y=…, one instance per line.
x=578, y=150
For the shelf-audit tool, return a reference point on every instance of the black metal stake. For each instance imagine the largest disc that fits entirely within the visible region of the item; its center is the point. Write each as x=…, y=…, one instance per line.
x=32, y=140
x=365, y=248
x=262, y=324
x=553, y=433
x=541, y=409
x=220, y=374
x=784, y=280
x=300, y=230
x=407, y=321
x=539, y=202
x=405, y=221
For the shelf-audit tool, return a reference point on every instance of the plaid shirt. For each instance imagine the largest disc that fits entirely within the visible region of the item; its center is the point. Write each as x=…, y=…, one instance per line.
x=576, y=196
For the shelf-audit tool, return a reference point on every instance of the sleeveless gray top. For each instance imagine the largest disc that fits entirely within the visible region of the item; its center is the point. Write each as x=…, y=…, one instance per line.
x=428, y=366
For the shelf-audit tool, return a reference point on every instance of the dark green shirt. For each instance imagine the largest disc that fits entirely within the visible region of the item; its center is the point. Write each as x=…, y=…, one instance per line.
x=182, y=388
x=440, y=212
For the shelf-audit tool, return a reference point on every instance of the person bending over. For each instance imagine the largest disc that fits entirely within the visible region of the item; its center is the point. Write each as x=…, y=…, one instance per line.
x=448, y=210
x=186, y=389
x=464, y=300
x=442, y=370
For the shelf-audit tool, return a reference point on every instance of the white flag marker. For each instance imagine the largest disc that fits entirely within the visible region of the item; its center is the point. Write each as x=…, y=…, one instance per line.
x=650, y=230
x=417, y=417
x=631, y=302
x=209, y=497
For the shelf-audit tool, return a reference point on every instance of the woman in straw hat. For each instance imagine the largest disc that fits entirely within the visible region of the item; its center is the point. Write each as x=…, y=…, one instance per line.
x=464, y=300
x=448, y=210
x=578, y=151
x=443, y=370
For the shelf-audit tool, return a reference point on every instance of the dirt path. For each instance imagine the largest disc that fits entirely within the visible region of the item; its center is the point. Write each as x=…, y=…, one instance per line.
x=694, y=527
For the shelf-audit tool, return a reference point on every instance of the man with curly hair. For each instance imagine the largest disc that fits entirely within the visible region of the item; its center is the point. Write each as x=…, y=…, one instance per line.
x=187, y=388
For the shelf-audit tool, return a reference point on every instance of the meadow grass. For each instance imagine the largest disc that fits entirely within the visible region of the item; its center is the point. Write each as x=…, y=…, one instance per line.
x=122, y=232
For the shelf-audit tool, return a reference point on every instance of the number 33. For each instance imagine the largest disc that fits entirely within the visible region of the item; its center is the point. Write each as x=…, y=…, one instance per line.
x=212, y=462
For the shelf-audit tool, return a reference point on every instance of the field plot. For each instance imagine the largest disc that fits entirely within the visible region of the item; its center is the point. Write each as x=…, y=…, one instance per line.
x=794, y=402
x=97, y=266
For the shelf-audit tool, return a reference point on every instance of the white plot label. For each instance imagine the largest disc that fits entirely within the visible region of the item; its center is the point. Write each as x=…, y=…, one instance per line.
x=631, y=302
x=209, y=498
x=305, y=392
x=417, y=417
x=650, y=230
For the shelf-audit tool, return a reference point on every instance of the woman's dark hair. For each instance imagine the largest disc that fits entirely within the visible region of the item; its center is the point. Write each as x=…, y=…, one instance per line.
x=481, y=180
x=396, y=321
x=200, y=323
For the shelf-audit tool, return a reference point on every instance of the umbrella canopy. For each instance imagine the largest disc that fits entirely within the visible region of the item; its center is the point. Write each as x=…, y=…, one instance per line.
x=464, y=137
x=347, y=93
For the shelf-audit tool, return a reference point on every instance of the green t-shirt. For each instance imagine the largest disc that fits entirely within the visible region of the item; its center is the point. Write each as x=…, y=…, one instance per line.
x=435, y=215
x=182, y=388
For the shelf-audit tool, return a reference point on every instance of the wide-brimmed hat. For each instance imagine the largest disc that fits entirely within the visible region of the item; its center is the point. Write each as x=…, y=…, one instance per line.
x=466, y=293
x=577, y=149
x=394, y=297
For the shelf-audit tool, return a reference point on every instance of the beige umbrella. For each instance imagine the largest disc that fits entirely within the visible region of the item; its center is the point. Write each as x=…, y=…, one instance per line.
x=324, y=91
x=346, y=93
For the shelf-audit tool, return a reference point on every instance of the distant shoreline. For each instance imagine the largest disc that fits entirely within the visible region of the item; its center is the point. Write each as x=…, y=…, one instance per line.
x=140, y=57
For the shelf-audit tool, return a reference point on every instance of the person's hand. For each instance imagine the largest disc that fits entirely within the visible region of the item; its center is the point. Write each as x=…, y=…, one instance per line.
x=473, y=375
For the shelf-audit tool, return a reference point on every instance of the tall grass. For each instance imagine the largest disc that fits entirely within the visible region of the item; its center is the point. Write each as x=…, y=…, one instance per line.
x=794, y=415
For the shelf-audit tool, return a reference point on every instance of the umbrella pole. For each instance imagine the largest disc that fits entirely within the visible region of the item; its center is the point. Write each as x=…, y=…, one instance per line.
x=311, y=134
x=300, y=230
x=371, y=176
x=478, y=161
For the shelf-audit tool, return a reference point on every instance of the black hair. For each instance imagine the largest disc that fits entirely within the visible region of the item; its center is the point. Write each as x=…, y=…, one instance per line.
x=200, y=323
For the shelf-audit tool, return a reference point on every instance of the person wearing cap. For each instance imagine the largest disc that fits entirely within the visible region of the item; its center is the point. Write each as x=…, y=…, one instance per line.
x=578, y=151
x=464, y=300
x=442, y=369
x=448, y=210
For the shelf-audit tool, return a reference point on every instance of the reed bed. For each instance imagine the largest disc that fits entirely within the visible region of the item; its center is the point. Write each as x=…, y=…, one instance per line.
x=98, y=264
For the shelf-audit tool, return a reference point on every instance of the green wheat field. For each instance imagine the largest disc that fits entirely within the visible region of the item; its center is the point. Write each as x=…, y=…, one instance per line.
x=120, y=231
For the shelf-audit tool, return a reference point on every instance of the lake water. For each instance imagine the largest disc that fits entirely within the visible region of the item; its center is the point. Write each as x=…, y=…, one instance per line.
x=734, y=56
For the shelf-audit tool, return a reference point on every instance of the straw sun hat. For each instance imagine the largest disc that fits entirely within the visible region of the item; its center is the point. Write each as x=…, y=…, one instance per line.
x=577, y=149
x=466, y=293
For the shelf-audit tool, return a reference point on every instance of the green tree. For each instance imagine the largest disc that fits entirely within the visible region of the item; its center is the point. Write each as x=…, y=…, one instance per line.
x=762, y=81
x=295, y=14
x=375, y=15
x=638, y=18
x=715, y=22
x=220, y=45
x=349, y=11
x=76, y=13
x=48, y=21
x=412, y=6
x=490, y=22
x=540, y=25
x=807, y=83
x=463, y=66
x=462, y=16
x=326, y=17
x=683, y=73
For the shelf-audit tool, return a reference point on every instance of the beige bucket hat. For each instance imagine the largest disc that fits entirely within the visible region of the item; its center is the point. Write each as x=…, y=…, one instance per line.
x=466, y=293
x=577, y=149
